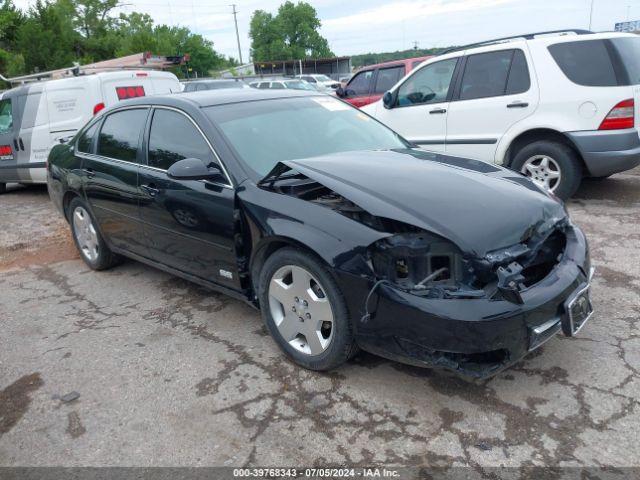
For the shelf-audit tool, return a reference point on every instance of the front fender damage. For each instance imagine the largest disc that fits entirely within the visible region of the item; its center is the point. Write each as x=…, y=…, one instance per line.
x=410, y=263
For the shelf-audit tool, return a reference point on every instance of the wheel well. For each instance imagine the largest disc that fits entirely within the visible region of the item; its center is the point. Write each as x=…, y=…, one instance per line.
x=264, y=251
x=531, y=136
x=66, y=200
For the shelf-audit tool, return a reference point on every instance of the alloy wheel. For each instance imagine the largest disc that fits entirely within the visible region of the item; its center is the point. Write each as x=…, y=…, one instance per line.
x=86, y=234
x=543, y=170
x=301, y=310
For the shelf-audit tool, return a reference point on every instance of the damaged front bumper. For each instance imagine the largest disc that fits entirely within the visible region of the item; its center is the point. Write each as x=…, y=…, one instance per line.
x=475, y=337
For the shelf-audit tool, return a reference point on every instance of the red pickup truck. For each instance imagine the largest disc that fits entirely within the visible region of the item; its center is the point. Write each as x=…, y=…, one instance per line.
x=369, y=83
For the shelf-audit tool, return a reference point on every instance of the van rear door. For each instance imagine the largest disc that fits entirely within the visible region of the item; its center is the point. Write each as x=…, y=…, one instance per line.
x=128, y=85
x=9, y=125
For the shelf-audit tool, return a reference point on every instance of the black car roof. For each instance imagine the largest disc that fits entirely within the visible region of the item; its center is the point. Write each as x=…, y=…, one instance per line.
x=209, y=98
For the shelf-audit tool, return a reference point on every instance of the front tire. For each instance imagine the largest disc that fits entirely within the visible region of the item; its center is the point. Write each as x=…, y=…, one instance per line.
x=305, y=311
x=552, y=165
x=3, y=188
x=92, y=247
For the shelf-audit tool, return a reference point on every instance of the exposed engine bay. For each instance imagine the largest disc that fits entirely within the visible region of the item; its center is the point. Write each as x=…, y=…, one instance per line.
x=425, y=264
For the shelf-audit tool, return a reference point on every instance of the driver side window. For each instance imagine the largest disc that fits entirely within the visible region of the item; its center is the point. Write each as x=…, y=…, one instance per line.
x=360, y=84
x=430, y=84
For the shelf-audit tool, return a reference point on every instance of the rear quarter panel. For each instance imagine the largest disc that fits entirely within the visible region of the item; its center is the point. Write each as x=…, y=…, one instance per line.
x=63, y=174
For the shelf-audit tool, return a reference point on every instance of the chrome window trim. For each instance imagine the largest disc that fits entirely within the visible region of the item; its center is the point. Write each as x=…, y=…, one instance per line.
x=96, y=156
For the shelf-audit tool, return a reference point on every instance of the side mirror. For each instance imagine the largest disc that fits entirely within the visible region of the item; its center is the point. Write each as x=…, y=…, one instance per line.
x=340, y=92
x=193, y=169
x=387, y=100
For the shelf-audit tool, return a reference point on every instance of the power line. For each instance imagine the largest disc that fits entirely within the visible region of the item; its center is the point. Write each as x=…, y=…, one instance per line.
x=235, y=19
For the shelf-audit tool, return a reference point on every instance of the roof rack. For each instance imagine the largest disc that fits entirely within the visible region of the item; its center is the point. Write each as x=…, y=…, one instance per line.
x=136, y=61
x=526, y=36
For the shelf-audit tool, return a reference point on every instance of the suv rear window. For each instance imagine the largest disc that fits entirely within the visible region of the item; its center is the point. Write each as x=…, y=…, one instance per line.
x=492, y=74
x=599, y=63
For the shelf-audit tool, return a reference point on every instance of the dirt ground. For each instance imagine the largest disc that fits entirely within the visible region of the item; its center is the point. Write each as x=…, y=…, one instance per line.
x=171, y=374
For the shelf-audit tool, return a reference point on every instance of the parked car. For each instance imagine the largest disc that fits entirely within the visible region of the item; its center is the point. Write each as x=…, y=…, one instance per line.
x=35, y=117
x=322, y=82
x=333, y=225
x=369, y=83
x=557, y=107
x=218, y=84
x=283, y=84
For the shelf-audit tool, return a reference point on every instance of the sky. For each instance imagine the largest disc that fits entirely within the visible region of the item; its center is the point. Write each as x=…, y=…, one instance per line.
x=361, y=26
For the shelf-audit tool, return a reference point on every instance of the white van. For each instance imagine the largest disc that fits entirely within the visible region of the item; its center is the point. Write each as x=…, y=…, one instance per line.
x=36, y=116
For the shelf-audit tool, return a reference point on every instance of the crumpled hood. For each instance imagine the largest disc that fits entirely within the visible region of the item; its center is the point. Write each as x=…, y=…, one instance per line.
x=476, y=205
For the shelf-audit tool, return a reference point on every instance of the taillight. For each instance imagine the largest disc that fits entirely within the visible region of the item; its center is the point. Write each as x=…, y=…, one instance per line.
x=98, y=107
x=621, y=116
x=130, y=92
x=5, y=151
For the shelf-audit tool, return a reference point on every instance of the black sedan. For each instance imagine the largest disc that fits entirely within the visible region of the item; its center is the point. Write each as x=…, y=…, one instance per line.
x=341, y=232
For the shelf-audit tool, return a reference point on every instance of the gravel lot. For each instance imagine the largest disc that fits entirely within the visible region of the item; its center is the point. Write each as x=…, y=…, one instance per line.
x=171, y=374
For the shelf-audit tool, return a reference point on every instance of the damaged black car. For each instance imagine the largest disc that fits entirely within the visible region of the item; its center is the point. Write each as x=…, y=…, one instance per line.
x=342, y=233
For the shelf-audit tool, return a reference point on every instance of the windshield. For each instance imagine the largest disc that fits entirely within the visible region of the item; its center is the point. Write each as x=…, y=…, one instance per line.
x=266, y=132
x=323, y=78
x=298, y=85
x=6, y=118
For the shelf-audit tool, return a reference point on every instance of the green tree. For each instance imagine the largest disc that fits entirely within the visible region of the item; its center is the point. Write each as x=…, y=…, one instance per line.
x=47, y=39
x=10, y=21
x=291, y=34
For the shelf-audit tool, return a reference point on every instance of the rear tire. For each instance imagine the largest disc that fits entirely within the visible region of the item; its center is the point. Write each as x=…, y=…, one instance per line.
x=299, y=298
x=530, y=160
x=3, y=188
x=92, y=247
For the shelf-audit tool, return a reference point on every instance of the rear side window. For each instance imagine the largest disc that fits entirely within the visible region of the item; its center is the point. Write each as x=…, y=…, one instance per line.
x=120, y=134
x=586, y=62
x=360, y=84
x=85, y=142
x=173, y=137
x=600, y=63
x=388, y=77
x=190, y=87
x=485, y=75
x=6, y=117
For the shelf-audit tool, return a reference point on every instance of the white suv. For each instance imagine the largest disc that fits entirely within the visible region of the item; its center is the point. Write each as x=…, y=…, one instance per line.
x=557, y=106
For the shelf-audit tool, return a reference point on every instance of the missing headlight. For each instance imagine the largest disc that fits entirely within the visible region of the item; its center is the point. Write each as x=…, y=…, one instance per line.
x=417, y=260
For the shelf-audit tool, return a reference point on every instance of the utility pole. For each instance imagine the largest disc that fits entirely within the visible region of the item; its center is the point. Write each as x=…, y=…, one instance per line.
x=591, y=13
x=415, y=45
x=235, y=19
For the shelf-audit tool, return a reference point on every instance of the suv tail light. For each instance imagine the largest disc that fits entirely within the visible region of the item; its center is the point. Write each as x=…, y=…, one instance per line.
x=621, y=116
x=98, y=107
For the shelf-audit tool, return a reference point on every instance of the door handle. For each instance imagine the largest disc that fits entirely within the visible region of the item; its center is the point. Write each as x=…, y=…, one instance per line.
x=518, y=105
x=89, y=172
x=151, y=189
x=438, y=110
x=21, y=144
